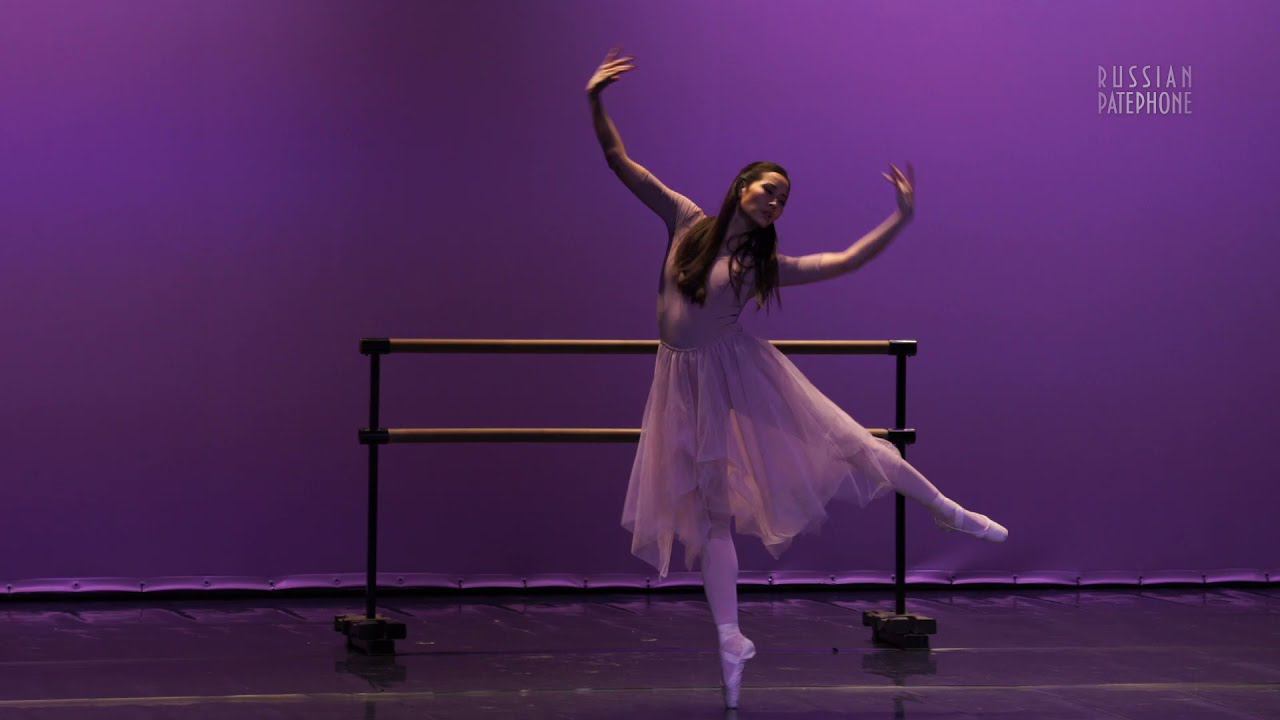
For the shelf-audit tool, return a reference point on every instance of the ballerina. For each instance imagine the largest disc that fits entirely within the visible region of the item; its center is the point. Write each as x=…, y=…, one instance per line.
x=732, y=430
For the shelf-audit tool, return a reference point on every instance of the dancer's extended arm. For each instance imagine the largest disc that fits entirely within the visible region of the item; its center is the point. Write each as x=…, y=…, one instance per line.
x=827, y=265
x=664, y=201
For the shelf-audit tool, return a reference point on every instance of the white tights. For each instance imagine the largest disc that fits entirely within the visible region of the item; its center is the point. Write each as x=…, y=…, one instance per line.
x=720, y=572
x=720, y=557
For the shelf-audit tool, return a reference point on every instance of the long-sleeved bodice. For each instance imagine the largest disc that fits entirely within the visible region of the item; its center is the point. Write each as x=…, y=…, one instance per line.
x=683, y=323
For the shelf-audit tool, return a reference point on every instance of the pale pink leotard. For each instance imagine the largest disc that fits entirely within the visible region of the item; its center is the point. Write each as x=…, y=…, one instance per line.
x=684, y=324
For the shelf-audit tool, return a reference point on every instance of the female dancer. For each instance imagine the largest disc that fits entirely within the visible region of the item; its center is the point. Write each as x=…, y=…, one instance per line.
x=731, y=428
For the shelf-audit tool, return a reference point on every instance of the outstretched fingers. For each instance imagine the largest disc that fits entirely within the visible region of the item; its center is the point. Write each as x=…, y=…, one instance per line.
x=909, y=177
x=613, y=59
x=904, y=185
x=902, y=181
x=609, y=71
x=615, y=66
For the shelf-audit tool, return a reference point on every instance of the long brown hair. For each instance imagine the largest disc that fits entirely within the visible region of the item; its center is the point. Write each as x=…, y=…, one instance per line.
x=699, y=248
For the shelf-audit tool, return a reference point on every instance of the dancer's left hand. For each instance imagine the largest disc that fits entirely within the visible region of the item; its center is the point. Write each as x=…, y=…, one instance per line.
x=905, y=185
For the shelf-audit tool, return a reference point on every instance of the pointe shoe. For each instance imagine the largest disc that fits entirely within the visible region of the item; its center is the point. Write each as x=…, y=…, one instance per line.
x=731, y=666
x=990, y=530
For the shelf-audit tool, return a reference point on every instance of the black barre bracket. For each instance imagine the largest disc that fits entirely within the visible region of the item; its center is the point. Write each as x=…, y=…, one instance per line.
x=375, y=346
x=381, y=436
x=902, y=348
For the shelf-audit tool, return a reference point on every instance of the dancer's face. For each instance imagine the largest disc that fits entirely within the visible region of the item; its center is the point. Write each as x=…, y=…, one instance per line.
x=764, y=200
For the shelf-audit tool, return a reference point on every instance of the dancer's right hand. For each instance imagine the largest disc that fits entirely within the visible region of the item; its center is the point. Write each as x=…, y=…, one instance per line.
x=609, y=70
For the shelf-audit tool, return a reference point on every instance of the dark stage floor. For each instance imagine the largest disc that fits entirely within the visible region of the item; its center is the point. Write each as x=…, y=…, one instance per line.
x=1155, y=653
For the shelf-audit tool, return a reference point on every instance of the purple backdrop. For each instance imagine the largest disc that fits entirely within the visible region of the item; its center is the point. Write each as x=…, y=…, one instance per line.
x=206, y=205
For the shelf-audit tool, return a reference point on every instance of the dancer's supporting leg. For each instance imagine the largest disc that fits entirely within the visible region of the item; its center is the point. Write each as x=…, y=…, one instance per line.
x=908, y=481
x=720, y=581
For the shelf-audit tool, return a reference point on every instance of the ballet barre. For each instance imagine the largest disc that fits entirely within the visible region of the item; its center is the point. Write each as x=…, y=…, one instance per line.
x=550, y=435
x=374, y=634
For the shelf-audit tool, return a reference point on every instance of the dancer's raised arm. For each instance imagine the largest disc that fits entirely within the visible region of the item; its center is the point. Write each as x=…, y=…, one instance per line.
x=659, y=198
x=827, y=265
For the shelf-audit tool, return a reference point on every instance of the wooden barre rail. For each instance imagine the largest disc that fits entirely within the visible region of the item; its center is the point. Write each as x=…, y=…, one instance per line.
x=385, y=346
x=386, y=436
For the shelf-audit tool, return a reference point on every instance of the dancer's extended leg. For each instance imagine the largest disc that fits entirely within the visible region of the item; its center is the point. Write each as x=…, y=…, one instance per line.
x=720, y=581
x=908, y=481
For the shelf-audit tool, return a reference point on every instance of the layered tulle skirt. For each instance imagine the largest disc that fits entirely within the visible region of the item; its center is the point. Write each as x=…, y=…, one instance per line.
x=734, y=428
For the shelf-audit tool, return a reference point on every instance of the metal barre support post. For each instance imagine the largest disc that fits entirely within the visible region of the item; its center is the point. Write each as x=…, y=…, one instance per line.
x=899, y=502
x=371, y=562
